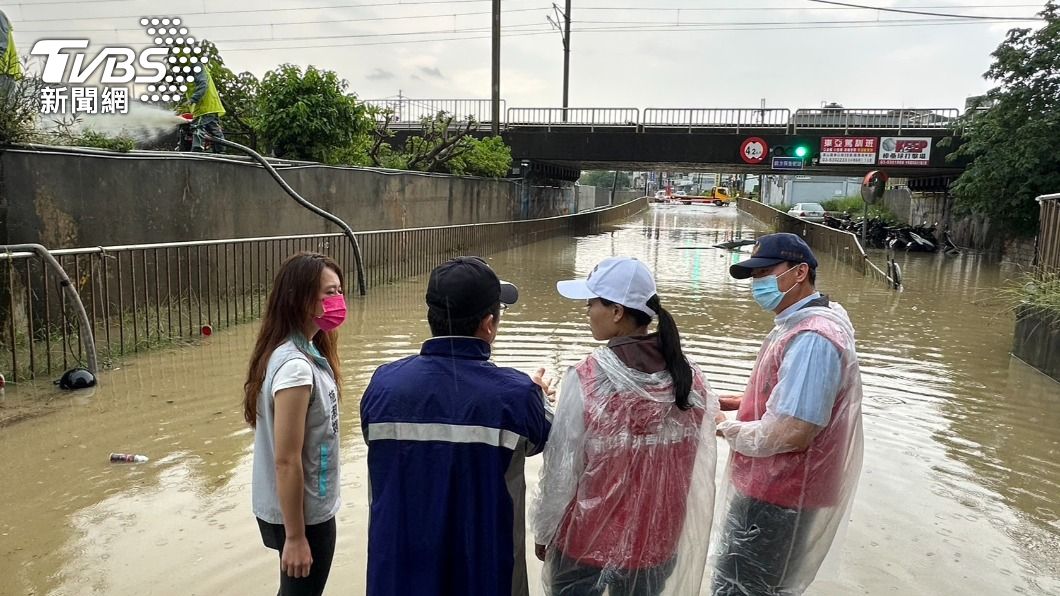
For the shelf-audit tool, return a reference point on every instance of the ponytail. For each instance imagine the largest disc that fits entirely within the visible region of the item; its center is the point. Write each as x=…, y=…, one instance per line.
x=670, y=342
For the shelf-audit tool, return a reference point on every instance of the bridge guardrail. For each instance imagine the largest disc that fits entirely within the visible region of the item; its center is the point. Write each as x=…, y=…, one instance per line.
x=841, y=244
x=561, y=117
x=409, y=112
x=899, y=119
x=716, y=118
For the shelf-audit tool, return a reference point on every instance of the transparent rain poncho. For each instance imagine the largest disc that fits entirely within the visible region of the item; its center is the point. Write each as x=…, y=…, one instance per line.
x=627, y=490
x=790, y=482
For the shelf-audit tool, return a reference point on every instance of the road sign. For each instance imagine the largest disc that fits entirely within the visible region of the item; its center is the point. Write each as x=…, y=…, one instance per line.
x=787, y=163
x=754, y=150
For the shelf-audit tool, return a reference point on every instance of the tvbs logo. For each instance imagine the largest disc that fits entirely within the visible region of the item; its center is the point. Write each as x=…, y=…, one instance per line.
x=119, y=65
x=175, y=52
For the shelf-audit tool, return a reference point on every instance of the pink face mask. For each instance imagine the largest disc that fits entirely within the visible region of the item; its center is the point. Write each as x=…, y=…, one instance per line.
x=334, y=313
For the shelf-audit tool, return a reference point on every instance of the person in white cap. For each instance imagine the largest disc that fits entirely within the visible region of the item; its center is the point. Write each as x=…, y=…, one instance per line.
x=626, y=494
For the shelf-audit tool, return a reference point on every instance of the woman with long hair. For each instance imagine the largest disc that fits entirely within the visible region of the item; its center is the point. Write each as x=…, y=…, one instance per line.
x=291, y=400
x=626, y=495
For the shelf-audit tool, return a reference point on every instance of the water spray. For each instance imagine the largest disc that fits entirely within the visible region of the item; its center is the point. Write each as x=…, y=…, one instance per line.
x=301, y=201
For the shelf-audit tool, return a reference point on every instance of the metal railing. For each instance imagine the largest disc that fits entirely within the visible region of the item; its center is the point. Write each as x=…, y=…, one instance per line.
x=720, y=118
x=842, y=245
x=1047, y=259
x=408, y=112
x=139, y=297
x=874, y=119
x=559, y=117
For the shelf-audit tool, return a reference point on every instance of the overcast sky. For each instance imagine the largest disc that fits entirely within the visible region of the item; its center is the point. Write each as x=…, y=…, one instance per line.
x=653, y=53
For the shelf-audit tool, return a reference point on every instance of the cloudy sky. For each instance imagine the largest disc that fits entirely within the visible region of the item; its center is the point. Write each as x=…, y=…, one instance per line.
x=657, y=53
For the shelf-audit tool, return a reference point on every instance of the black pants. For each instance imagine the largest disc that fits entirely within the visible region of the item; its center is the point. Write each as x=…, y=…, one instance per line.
x=211, y=125
x=321, y=538
x=762, y=548
x=571, y=578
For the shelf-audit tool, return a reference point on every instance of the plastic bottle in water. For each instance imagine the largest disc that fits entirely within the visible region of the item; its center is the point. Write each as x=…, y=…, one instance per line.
x=127, y=458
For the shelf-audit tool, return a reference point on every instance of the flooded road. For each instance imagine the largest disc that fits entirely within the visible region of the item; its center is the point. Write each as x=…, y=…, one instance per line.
x=960, y=492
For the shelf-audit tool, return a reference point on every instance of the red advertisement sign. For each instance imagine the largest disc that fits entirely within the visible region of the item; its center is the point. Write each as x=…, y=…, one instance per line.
x=848, y=150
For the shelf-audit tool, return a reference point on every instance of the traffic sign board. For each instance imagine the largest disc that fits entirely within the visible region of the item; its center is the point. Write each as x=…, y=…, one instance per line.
x=787, y=163
x=754, y=150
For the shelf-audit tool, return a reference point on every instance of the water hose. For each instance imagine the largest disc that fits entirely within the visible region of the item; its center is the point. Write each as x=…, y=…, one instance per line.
x=301, y=201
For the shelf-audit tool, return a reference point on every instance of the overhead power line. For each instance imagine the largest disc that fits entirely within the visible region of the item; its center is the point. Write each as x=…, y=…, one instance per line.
x=391, y=3
x=606, y=26
x=791, y=27
x=184, y=13
x=287, y=23
x=788, y=8
x=919, y=12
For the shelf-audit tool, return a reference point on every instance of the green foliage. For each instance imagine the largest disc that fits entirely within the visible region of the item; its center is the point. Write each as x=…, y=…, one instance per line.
x=604, y=178
x=489, y=157
x=855, y=207
x=91, y=138
x=19, y=109
x=307, y=115
x=1013, y=144
x=1039, y=293
x=852, y=205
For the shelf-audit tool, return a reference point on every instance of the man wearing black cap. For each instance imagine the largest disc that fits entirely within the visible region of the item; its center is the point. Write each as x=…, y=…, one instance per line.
x=447, y=434
x=796, y=443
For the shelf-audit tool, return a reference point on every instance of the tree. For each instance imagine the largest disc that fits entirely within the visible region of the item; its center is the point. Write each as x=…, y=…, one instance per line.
x=1012, y=138
x=444, y=146
x=490, y=157
x=604, y=178
x=308, y=115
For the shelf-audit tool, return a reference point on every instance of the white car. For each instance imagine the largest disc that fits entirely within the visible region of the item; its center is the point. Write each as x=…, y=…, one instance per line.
x=680, y=193
x=809, y=211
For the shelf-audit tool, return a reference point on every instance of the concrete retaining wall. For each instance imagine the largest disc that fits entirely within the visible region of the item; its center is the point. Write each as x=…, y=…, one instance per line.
x=586, y=198
x=1037, y=341
x=63, y=198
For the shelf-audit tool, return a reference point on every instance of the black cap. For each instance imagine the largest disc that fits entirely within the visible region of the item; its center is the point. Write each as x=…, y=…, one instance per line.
x=467, y=287
x=772, y=249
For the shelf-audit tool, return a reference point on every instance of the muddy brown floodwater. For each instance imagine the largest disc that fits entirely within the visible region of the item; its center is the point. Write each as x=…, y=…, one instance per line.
x=960, y=492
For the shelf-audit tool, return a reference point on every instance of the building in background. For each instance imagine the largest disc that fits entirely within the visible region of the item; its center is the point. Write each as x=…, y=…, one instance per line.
x=788, y=190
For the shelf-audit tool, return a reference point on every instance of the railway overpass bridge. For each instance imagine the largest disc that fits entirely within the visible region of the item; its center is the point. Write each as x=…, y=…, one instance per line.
x=912, y=143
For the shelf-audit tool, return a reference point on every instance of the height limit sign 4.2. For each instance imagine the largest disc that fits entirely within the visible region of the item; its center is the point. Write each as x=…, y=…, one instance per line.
x=753, y=150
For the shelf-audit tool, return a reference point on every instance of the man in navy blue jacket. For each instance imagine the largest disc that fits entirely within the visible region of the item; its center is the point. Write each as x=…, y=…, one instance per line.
x=448, y=433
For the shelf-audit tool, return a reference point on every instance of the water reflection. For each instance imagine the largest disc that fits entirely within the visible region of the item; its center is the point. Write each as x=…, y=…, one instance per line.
x=959, y=494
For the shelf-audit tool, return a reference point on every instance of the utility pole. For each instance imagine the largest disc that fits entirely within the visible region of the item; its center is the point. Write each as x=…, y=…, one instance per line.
x=565, y=33
x=496, y=109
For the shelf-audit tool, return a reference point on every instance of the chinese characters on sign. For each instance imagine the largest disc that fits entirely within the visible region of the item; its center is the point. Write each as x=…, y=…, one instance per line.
x=787, y=163
x=848, y=150
x=905, y=151
x=84, y=100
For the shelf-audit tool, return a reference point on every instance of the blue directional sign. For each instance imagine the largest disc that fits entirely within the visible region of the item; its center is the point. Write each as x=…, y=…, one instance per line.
x=787, y=163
